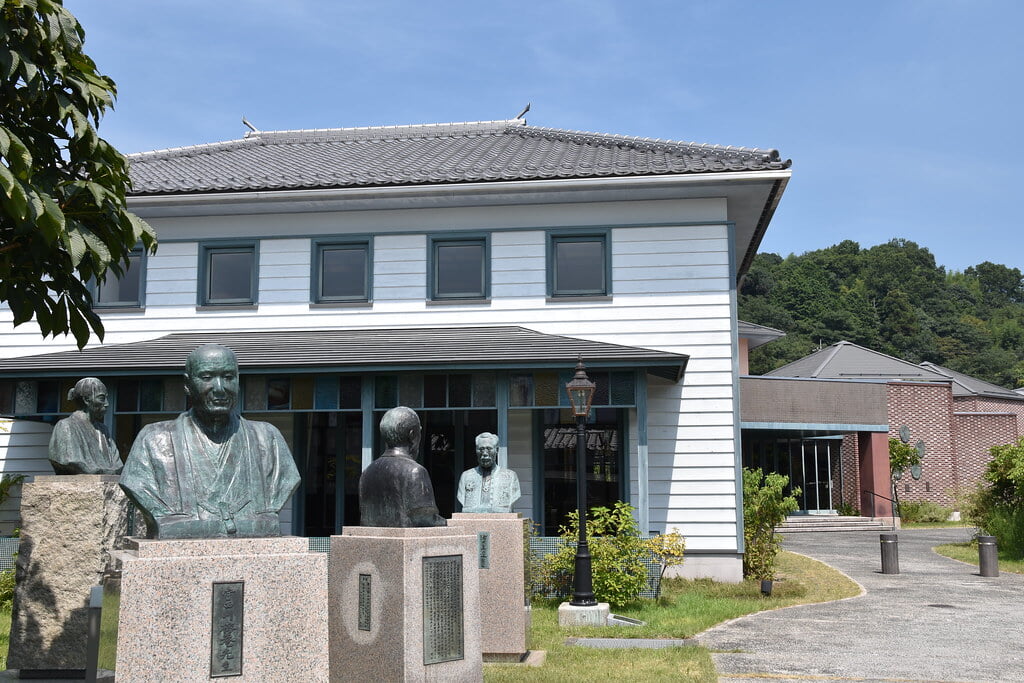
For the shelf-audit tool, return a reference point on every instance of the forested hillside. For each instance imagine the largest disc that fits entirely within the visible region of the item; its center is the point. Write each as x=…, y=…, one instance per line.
x=892, y=298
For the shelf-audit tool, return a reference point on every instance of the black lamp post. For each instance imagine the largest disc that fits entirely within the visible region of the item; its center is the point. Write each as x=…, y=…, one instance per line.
x=581, y=393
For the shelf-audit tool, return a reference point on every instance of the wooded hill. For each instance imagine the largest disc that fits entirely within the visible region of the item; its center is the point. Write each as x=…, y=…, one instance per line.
x=891, y=298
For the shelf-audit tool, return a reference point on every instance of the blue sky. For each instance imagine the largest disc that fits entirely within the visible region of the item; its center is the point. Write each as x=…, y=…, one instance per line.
x=902, y=118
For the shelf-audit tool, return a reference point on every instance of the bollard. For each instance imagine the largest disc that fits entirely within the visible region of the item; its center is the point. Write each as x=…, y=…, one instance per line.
x=890, y=553
x=988, y=556
x=93, y=638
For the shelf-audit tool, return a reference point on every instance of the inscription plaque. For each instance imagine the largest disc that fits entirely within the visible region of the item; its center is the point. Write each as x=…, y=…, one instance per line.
x=442, y=609
x=226, y=629
x=483, y=548
x=364, y=602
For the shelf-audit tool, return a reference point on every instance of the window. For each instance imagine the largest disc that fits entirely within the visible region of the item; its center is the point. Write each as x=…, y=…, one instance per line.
x=228, y=275
x=125, y=291
x=459, y=269
x=341, y=272
x=578, y=265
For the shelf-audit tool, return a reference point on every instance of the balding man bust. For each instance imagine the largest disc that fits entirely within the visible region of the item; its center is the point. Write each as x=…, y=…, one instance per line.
x=210, y=473
x=395, y=490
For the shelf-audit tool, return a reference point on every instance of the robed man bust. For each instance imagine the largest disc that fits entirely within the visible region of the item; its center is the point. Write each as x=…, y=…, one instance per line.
x=81, y=443
x=210, y=473
x=395, y=490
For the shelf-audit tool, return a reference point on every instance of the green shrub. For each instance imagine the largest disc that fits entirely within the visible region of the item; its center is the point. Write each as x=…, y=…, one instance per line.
x=997, y=506
x=6, y=589
x=846, y=509
x=764, y=507
x=617, y=553
x=923, y=511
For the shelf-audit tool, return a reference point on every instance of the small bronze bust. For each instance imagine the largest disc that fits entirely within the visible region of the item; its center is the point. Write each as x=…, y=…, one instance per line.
x=488, y=487
x=395, y=490
x=81, y=443
x=210, y=473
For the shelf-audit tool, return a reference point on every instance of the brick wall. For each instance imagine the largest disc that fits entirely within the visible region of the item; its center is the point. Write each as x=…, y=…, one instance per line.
x=927, y=408
x=851, y=471
x=977, y=404
x=976, y=433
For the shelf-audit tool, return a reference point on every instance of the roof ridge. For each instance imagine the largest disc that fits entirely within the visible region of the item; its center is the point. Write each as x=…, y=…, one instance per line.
x=659, y=144
x=356, y=133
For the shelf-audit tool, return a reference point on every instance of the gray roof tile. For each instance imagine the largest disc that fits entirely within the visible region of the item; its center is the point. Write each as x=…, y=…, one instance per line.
x=364, y=350
x=426, y=154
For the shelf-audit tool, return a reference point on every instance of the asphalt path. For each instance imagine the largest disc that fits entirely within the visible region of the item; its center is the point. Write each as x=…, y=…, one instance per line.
x=937, y=620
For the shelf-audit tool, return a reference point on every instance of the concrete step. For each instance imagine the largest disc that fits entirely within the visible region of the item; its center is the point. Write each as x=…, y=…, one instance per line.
x=812, y=523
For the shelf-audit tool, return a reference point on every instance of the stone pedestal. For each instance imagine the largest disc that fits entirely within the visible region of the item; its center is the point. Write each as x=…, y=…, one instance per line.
x=591, y=615
x=503, y=617
x=254, y=609
x=69, y=526
x=404, y=605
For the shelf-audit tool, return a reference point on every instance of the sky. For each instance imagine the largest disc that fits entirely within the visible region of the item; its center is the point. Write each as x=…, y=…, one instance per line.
x=902, y=118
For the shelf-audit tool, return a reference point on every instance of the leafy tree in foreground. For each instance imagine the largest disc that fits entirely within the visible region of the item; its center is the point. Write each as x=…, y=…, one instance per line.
x=64, y=219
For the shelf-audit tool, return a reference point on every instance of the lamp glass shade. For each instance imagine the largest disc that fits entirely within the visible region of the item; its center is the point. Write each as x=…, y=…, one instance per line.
x=581, y=391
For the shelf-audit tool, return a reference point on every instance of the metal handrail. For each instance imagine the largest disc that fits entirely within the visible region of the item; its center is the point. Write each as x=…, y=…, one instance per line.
x=871, y=502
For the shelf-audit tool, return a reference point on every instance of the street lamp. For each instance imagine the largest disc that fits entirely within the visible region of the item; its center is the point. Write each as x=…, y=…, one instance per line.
x=581, y=393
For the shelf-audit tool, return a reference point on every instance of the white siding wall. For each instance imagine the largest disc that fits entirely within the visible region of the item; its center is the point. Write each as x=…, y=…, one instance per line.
x=671, y=291
x=25, y=445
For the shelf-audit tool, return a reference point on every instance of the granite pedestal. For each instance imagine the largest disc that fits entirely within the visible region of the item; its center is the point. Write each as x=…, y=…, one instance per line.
x=404, y=605
x=254, y=609
x=503, y=618
x=69, y=526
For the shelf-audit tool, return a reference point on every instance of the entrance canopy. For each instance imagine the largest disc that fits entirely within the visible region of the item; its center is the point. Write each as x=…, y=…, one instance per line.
x=363, y=350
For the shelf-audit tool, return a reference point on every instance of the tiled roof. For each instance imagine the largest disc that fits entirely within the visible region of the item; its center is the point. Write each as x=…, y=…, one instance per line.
x=846, y=360
x=965, y=385
x=364, y=350
x=426, y=154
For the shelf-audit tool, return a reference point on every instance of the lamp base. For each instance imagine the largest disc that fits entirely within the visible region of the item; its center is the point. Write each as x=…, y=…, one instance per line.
x=590, y=615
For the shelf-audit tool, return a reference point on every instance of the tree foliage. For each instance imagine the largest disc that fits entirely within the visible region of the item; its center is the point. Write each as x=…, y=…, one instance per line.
x=996, y=507
x=893, y=298
x=765, y=506
x=64, y=220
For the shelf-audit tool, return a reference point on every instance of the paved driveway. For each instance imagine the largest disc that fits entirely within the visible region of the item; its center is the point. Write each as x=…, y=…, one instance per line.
x=938, y=620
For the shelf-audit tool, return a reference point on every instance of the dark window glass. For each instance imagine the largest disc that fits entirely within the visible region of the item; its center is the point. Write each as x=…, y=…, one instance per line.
x=579, y=266
x=459, y=270
x=279, y=394
x=127, y=396
x=151, y=393
x=343, y=273
x=623, y=393
x=48, y=398
x=386, y=392
x=460, y=391
x=229, y=275
x=351, y=393
x=435, y=391
x=124, y=290
x=6, y=397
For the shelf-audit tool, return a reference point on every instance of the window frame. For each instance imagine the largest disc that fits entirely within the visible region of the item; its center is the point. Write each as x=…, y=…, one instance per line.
x=555, y=238
x=139, y=302
x=319, y=246
x=206, y=252
x=435, y=242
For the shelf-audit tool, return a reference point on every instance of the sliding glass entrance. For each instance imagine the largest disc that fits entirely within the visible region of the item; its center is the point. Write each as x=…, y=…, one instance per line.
x=812, y=464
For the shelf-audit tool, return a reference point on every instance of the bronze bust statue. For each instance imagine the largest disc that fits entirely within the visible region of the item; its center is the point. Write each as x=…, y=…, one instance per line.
x=210, y=473
x=81, y=443
x=488, y=487
x=395, y=490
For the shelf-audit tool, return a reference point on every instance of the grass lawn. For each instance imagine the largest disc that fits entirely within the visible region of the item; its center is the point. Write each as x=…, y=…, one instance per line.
x=5, y=632
x=685, y=608
x=935, y=525
x=968, y=552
